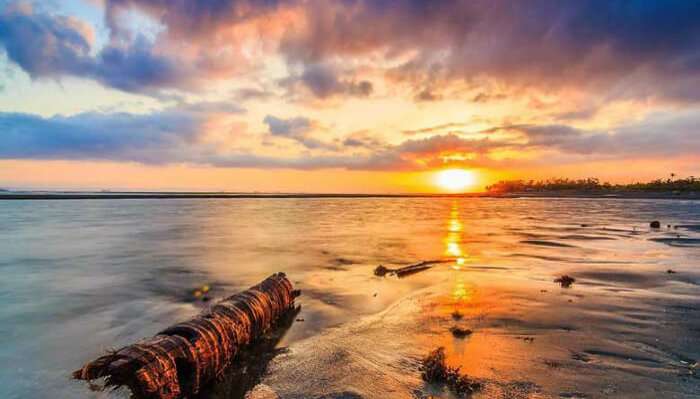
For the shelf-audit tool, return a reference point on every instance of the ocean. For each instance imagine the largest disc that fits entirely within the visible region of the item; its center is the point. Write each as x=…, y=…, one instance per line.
x=79, y=277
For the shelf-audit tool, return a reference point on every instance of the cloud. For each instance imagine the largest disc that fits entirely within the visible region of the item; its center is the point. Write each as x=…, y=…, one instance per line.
x=298, y=129
x=431, y=129
x=44, y=46
x=246, y=94
x=287, y=127
x=53, y=46
x=323, y=81
x=649, y=48
x=154, y=138
x=197, y=19
x=427, y=95
x=658, y=135
x=635, y=48
x=176, y=135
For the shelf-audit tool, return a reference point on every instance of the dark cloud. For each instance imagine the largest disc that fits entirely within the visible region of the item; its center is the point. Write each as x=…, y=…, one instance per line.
x=427, y=95
x=298, y=129
x=287, y=127
x=323, y=81
x=362, y=140
x=539, y=42
x=626, y=48
x=252, y=94
x=191, y=19
x=352, y=142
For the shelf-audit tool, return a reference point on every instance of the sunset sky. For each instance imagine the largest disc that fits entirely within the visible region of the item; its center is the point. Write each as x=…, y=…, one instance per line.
x=344, y=96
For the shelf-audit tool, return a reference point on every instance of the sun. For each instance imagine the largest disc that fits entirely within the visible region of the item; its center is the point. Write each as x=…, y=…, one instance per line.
x=455, y=179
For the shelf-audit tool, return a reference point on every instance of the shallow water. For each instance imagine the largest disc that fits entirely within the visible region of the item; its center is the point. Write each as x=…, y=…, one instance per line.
x=79, y=277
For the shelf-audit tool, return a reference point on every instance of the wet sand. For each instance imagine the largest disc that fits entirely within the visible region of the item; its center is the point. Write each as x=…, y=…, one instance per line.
x=522, y=345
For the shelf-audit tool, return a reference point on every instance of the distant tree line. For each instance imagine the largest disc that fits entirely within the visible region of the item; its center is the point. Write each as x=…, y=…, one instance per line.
x=689, y=184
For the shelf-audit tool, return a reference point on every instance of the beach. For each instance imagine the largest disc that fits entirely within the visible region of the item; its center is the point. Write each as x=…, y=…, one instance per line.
x=83, y=276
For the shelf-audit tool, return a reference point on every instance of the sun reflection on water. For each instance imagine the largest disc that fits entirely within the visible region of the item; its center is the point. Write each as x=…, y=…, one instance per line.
x=453, y=240
x=461, y=293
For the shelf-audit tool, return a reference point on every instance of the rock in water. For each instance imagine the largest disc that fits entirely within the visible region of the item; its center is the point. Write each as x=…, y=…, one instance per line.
x=565, y=281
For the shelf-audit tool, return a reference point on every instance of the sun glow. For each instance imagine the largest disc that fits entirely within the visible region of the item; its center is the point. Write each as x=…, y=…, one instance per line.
x=455, y=179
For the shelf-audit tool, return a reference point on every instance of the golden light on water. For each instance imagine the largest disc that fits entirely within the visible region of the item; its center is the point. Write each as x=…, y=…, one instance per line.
x=453, y=240
x=455, y=179
x=461, y=293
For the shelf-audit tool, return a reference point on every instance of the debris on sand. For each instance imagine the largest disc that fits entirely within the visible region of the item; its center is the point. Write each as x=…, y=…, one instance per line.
x=655, y=224
x=434, y=369
x=202, y=293
x=459, y=332
x=400, y=272
x=456, y=315
x=671, y=271
x=381, y=271
x=565, y=281
x=180, y=360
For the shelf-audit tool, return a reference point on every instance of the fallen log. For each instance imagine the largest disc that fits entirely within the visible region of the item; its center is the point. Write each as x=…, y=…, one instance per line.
x=178, y=361
x=404, y=271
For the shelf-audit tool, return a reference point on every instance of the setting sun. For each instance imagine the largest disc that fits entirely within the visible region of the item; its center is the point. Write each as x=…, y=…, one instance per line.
x=455, y=179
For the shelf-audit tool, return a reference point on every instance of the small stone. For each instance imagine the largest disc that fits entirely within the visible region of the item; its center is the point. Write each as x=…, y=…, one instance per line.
x=655, y=224
x=565, y=281
x=381, y=271
x=459, y=332
x=670, y=271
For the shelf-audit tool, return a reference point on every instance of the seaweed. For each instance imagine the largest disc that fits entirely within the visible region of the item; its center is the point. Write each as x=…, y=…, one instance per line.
x=434, y=369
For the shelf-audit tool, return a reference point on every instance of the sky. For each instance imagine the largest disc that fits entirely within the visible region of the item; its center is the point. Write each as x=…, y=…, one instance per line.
x=345, y=95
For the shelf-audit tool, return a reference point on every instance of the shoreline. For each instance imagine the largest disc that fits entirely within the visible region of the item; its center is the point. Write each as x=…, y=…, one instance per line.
x=74, y=195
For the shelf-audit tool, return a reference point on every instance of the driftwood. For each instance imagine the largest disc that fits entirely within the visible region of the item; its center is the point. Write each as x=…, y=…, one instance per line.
x=382, y=271
x=178, y=361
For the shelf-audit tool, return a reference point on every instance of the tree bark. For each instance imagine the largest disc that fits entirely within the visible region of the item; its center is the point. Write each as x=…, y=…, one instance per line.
x=179, y=360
